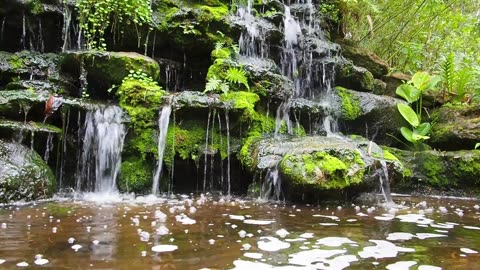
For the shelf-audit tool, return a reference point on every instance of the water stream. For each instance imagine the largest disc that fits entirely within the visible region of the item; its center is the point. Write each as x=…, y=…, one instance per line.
x=163, y=121
x=103, y=136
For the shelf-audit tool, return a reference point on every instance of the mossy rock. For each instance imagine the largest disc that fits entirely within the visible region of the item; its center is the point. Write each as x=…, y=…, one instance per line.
x=441, y=171
x=365, y=58
x=353, y=77
x=136, y=175
x=323, y=169
x=456, y=127
x=105, y=69
x=23, y=174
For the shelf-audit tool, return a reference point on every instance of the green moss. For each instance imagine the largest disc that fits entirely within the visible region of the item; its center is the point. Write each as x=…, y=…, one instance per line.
x=187, y=141
x=242, y=101
x=434, y=169
x=351, y=109
x=389, y=156
x=324, y=170
x=136, y=176
x=16, y=62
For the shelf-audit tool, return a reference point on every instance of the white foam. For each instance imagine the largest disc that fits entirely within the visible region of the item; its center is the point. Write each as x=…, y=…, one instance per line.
x=329, y=217
x=236, y=217
x=272, y=244
x=164, y=248
x=471, y=227
x=429, y=235
x=182, y=218
x=468, y=251
x=385, y=217
x=403, y=265
x=383, y=249
x=2, y=261
x=282, y=233
x=306, y=235
x=415, y=218
x=319, y=259
x=328, y=224
x=22, y=264
x=253, y=255
x=334, y=241
x=399, y=236
x=258, y=222
x=76, y=247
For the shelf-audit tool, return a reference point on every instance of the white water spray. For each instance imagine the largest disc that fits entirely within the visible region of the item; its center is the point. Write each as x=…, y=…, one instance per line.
x=163, y=122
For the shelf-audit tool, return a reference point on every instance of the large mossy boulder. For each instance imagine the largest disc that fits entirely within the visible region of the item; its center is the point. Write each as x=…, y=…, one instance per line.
x=316, y=163
x=439, y=171
x=365, y=58
x=23, y=174
x=354, y=77
x=456, y=127
x=104, y=69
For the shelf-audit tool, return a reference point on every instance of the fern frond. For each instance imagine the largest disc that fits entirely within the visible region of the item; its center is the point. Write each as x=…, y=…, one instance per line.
x=224, y=87
x=448, y=73
x=212, y=84
x=238, y=76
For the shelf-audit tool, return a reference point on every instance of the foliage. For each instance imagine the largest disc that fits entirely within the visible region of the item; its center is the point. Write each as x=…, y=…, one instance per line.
x=412, y=92
x=415, y=34
x=97, y=16
x=457, y=82
x=477, y=145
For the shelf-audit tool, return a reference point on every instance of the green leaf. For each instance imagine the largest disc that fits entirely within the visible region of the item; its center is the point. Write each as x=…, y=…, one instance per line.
x=408, y=92
x=423, y=81
x=407, y=134
x=408, y=114
x=237, y=75
x=418, y=137
x=212, y=84
x=423, y=129
x=477, y=145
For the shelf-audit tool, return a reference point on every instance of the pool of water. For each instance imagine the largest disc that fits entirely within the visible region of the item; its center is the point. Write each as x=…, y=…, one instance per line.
x=196, y=232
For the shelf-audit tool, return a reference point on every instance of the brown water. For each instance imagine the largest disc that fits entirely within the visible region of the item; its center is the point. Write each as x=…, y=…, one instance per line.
x=221, y=235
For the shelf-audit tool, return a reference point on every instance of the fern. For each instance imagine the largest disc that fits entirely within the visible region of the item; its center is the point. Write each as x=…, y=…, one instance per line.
x=463, y=77
x=448, y=74
x=238, y=76
x=212, y=85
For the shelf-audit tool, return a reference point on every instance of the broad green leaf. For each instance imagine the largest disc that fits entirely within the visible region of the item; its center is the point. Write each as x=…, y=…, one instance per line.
x=423, y=81
x=407, y=134
x=423, y=129
x=408, y=114
x=418, y=137
x=477, y=145
x=408, y=92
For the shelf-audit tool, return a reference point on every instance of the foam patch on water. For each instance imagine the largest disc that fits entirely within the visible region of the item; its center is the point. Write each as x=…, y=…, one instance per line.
x=468, y=251
x=403, y=265
x=236, y=217
x=382, y=249
x=258, y=221
x=104, y=197
x=329, y=217
x=471, y=227
x=247, y=265
x=319, y=259
x=2, y=261
x=429, y=235
x=328, y=224
x=415, y=218
x=272, y=244
x=385, y=217
x=399, y=236
x=253, y=255
x=334, y=241
x=306, y=235
x=164, y=248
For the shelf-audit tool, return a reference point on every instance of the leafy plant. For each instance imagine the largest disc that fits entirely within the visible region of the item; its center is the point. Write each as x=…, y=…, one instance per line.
x=97, y=16
x=238, y=76
x=456, y=81
x=412, y=92
x=234, y=75
x=477, y=145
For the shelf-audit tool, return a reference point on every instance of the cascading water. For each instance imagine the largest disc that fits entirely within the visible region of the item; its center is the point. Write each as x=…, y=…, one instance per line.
x=252, y=41
x=272, y=185
x=103, y=137
x=163, y=121
x=384, y=183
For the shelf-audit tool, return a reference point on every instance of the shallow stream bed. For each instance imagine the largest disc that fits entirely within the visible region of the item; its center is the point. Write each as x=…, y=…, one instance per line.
x=204, y=233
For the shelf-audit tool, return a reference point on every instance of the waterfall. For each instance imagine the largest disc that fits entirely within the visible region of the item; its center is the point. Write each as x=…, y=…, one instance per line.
x=272, y=185
x=67, y=18
x=163, y=121
x=103, y=137
x=206, y=153
x=252, y=40
x=385, y=183
x=48, y=147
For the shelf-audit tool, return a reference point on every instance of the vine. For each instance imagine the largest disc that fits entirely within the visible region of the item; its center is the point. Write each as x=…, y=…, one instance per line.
x=97, y=16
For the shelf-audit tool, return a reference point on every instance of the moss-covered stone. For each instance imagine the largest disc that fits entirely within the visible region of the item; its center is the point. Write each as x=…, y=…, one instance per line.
x=324, y=170
x=353, y=77
x=105, y=69
x=23, y=174
x=136, y=175
x=456, y=127
x=351, y=109
x=365, y=58
x=440, y=170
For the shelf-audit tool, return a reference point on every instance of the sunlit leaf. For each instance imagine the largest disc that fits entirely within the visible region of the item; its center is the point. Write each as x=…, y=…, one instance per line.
x=408, y=114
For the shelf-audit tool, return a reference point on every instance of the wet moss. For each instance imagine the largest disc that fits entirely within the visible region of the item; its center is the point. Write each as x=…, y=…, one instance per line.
x=136, y=175
x=351, y=109
x=324, y=170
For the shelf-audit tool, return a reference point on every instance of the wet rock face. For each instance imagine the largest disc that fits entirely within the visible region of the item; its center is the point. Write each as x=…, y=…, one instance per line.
x=444, y=171
x=456, y=127
x=317, y=163
x=364, y=58
x=354, y=77
x=23, y=174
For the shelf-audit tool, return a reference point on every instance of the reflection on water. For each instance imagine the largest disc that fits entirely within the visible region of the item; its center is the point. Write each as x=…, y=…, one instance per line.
x=201, y=232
